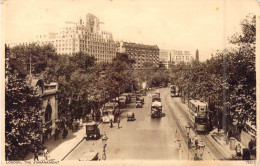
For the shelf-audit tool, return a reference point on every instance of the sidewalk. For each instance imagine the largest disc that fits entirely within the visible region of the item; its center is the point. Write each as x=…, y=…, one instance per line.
x=60, y=148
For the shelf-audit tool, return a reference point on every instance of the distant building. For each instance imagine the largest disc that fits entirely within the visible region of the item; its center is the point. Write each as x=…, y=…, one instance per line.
x=83, y=36
x=140, y=53
x=174, y=56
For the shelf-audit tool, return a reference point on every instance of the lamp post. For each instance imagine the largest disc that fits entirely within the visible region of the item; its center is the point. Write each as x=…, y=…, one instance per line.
x=201, y=146
x=188, y=136
x=104, y=142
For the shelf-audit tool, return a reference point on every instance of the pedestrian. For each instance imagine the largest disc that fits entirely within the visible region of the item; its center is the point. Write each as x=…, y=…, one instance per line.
x=118, y=121
x=65, y=132
x=251, y=146
x=56, y=133
x=36, y=155
x=196, y=157
x=238, y=150
x=46, y=153
x=178, y=140
x=196, y=141
x=111, y=123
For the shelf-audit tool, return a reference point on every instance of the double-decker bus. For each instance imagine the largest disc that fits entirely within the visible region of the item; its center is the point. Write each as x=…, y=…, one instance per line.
x=174, y=91
x=198, y=115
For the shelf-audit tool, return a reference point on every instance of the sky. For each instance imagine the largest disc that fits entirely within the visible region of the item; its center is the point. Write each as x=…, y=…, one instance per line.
x=171, y=24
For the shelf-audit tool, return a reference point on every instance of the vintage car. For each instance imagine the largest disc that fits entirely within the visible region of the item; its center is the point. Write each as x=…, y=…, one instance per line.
x=138, y=104
x=130, y=116
x=140, y=98
x=92, y=130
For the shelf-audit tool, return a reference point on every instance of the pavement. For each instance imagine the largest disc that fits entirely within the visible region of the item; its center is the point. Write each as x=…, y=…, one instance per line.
x=60, y=148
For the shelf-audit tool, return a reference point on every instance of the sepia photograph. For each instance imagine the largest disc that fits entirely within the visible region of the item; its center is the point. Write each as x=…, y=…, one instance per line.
x=128, y=80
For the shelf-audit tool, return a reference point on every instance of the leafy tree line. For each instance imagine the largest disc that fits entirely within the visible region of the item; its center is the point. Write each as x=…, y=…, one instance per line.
x=227, y=81
x=23, y=113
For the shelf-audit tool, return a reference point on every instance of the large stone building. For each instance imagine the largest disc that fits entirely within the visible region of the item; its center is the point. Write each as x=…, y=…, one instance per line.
x=140, y=53
x=83, y=36
x=174, y=56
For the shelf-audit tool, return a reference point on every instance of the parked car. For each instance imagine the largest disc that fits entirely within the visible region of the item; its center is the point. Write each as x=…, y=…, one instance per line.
x=138, y=104
x=130, y=116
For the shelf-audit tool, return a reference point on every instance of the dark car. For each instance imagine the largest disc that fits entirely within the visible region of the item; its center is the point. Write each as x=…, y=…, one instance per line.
x=138, y=104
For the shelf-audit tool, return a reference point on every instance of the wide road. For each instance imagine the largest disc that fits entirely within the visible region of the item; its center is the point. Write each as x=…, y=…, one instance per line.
x=142, y=139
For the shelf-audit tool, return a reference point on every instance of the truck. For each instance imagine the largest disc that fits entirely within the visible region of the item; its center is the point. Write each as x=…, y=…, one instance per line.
x=122, y=101
x=92, y=130
x=174, y=91
x=156, y=109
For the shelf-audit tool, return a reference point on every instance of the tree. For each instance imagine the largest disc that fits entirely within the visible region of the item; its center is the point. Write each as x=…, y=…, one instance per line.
x=23, y=113
x=36, y=55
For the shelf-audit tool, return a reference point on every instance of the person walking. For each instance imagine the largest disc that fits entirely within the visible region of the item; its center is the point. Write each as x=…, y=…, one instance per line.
x=36, y=154
x=46, y=154
x=65, y=133
x=250, y=146
x=56, y=133
x=178, y=139
x=118, y=122
x=238, y=150
x=196, y=141
x=111, y=123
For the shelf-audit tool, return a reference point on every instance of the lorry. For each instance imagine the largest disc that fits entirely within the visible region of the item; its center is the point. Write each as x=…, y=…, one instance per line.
x=92, y=130
x=156, y=110
x=174, y=91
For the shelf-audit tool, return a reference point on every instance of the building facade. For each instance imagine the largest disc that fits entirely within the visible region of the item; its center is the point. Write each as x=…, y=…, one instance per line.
x=140, y=53
x=174, y=56
x=83, y=36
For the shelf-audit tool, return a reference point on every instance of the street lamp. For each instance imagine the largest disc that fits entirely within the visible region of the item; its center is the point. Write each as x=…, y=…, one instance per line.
x=104, y=142
x=188, y=136
x=201, y=146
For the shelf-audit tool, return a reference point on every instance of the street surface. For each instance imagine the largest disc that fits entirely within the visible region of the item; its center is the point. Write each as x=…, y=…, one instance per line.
x=147, y=138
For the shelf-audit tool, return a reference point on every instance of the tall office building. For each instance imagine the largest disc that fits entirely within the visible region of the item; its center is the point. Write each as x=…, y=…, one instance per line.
x=83, y=36
x=86, y=36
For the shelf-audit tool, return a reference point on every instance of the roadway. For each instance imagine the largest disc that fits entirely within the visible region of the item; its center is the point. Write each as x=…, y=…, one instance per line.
x=146, y=138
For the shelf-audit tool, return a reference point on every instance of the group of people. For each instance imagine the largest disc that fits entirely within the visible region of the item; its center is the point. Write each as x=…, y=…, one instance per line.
x=46, y=154
x=60, y=126
x=118, y=123
x=192, y=142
